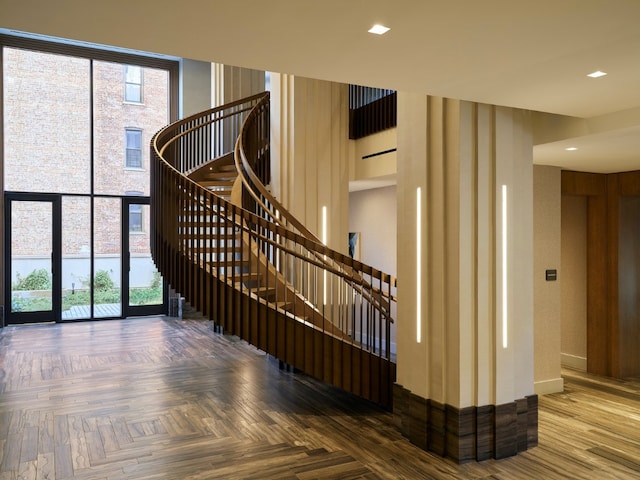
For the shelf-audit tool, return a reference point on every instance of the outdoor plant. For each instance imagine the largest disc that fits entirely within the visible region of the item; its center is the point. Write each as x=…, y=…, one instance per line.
x=102, y=281
x=36, y=280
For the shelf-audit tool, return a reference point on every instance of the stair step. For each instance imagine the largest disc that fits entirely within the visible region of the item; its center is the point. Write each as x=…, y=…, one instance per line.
x=207, y=221
x=235, y=263
x=221, y=192
x=246, y=277
x=205, y=233
x=286, y=306
x=221, y=250
x=229, y=176
x=216, y=183
x=264, y=292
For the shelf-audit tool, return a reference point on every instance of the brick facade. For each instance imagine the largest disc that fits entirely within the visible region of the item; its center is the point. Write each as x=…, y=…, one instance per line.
x=48, y=138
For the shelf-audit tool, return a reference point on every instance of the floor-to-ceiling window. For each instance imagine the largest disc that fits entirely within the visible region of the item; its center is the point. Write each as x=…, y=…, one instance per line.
x=77, y=123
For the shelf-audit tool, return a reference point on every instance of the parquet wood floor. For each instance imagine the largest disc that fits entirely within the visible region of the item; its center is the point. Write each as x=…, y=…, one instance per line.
x=159, y=398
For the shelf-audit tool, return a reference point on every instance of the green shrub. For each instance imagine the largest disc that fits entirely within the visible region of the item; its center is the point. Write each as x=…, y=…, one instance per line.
x=36, y=280
x=145, y=296
x=102, y=281
x=156, y=282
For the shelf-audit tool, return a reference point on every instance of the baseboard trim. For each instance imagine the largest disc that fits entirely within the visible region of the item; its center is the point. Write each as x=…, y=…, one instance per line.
x=573, y=361
x=545, y=387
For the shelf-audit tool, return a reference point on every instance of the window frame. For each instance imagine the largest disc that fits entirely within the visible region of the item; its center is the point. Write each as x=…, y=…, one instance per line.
x=137, y=211
x=127, y=149
x=140, y=85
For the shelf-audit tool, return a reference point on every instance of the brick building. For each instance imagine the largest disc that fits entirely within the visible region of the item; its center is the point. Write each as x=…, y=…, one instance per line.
x=80, y=128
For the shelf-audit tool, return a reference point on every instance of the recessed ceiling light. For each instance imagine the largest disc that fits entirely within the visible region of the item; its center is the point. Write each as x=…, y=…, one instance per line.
x=379, y=29
x=597, y=74
x=571, y=149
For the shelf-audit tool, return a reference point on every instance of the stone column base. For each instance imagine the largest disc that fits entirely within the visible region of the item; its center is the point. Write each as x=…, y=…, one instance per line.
x=467, y=434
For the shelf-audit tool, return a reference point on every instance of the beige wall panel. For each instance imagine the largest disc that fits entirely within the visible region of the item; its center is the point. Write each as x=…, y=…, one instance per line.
x=412, y=173
x=522, y=253
x=384, y=165
x=310, y=148
x=505, y=357
x=466, y=298
x=282, y=137
x=547, y=294
x=436, y=244
x=455, y=335
x=470, y=151
x=231, y=83
x=485, y=255
x=573, y=275
x=514, y=364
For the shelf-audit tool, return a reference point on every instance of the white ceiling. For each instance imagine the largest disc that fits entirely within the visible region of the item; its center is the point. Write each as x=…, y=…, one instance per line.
x=527, y=54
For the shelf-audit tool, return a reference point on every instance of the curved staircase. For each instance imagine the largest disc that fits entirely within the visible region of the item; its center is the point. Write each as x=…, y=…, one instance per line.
x=225, y=243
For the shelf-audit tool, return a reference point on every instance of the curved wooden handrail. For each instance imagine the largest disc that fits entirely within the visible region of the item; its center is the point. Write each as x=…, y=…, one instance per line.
x=280, y=215
x=250, y=266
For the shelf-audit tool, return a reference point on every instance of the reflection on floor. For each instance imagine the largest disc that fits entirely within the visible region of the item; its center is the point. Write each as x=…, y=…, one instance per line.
x=99, y=311
x=161, y=398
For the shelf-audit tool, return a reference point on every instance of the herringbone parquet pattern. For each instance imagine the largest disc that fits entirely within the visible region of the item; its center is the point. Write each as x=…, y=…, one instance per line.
x=159, y=398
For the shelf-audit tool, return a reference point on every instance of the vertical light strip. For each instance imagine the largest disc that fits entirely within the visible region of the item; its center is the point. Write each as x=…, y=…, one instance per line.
x=418, y=264
x=504, y=267
x=324, y=241
x=277, y=250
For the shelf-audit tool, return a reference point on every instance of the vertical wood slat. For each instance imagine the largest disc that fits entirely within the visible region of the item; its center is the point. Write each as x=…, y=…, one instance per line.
x=213, y=277
x=609, y=351
x=371, y=111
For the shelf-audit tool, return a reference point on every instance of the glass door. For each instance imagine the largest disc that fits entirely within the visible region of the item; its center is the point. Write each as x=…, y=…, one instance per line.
x=143, y=290
x=33, y=252
x=75, y=124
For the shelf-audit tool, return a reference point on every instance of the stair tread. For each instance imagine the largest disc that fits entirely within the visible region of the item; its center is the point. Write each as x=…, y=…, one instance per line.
x=220, y=175
x=216, y=183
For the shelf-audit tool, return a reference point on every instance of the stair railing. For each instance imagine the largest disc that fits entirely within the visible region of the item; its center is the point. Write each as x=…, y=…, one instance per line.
x=252, y=156
x=246, y=269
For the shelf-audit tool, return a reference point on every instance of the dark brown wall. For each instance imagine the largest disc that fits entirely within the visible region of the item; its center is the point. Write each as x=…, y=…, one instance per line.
x=613, y=269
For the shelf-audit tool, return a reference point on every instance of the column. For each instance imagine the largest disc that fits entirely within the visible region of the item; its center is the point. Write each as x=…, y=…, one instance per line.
x=309, y=154
x=230, y=83
x=465, y=262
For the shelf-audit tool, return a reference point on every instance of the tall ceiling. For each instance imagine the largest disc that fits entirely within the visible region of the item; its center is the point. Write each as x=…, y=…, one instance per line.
x=527, y=54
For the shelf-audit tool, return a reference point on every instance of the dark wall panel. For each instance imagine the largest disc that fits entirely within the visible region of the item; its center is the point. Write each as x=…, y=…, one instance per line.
x=629, y=286
x=613, y=269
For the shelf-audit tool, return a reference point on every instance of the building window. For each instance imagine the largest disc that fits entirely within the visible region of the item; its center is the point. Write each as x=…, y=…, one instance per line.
x=133, y=148
x=132, y=84
x=135, y=218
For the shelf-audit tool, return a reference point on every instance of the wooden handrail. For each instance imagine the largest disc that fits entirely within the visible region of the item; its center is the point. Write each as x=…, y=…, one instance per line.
x=258, y=191
x=260, y=274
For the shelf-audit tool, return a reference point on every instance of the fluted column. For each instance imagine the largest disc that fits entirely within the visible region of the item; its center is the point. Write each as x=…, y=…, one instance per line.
x=231, y=83
x=309, y=153
x=465, y=311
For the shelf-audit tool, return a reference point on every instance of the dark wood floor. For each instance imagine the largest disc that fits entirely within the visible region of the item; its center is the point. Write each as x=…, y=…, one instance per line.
x=159, y=398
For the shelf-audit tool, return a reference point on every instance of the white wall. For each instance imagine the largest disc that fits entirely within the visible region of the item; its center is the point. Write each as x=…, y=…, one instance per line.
x=195, y=91
x=372, y=213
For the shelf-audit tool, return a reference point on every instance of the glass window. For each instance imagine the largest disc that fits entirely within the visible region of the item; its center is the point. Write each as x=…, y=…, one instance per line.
x=134, y=148
x=132, y=84
x=63, y=116
x=123, y=129
x=135, y=218
x=47, y=122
